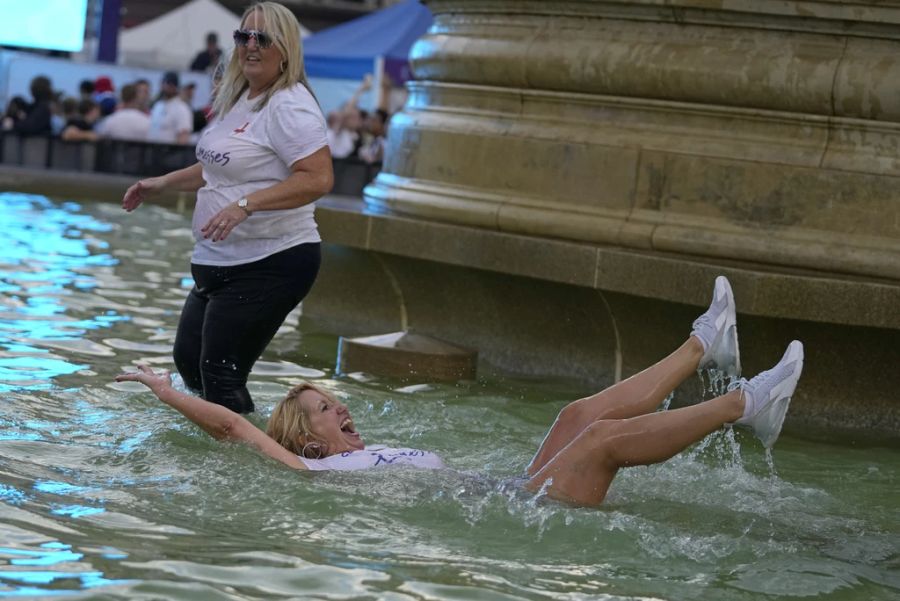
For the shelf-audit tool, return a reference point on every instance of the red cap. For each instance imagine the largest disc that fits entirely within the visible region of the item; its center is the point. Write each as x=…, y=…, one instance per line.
x=103, y=84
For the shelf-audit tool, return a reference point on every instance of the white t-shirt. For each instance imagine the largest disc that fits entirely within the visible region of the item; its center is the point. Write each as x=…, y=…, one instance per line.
x=245, y=151
x=373, y=151
x=125, y=124
x=376, y=456
x=168, y=118
x=342, y=142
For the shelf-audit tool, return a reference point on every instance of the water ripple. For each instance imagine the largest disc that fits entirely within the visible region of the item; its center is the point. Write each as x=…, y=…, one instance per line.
x=106, y=493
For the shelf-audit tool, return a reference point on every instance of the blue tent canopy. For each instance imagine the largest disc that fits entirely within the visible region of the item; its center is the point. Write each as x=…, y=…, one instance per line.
x=348, y=50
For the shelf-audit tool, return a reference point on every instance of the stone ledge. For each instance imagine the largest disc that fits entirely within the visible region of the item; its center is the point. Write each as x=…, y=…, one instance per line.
x=764, y=291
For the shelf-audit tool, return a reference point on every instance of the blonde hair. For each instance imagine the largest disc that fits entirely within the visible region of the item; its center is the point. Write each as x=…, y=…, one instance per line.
x=289, y=424
x=284, y=28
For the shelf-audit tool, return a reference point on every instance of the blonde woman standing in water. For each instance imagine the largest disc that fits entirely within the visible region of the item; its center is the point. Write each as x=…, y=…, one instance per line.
x=261, y=164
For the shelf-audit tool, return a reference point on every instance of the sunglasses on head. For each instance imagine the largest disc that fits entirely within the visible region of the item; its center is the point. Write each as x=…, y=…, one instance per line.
x=242, y=37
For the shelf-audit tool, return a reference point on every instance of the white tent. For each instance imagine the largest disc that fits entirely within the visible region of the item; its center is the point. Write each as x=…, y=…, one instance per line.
x=172, y=40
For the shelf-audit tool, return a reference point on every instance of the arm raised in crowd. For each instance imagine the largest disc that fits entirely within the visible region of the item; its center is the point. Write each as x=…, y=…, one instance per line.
x=384, y=94
x=352, y=103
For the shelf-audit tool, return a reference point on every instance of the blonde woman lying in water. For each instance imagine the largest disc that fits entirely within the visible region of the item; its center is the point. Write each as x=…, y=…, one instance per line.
x=591, y=439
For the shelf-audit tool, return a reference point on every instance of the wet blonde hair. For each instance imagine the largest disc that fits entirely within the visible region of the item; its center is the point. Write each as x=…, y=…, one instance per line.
x=289, y=424
x=284, y=28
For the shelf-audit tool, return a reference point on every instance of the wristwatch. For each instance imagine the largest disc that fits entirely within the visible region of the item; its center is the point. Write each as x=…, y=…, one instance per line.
x=242, y=203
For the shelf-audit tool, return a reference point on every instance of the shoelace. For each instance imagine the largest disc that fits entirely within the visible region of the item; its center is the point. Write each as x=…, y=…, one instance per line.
x=704, y=320
x=779, y=373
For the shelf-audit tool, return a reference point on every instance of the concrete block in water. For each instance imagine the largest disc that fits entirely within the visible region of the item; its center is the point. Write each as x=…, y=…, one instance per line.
x=407, y=355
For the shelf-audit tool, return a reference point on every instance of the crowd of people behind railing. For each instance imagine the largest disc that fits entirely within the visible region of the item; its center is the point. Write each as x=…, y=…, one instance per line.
x=158, y=134
x=98, y=112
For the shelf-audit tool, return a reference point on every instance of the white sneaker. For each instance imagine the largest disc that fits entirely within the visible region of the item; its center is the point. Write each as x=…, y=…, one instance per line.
x=767, y=396
x=717, y=331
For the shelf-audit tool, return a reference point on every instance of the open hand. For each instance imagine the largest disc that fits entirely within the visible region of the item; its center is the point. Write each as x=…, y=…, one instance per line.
x=140, y=191
x=221, y=224
x=146, y=376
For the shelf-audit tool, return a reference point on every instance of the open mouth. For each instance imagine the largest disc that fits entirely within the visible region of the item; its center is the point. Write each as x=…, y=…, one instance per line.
x=347, y=427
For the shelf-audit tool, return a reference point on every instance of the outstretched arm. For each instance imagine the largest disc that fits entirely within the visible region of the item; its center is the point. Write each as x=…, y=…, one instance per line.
x=189, y=179
x=364, y=86
x=219, y=422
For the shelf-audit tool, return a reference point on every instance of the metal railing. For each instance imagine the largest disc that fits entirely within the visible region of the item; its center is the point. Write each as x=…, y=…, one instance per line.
x=141, y=159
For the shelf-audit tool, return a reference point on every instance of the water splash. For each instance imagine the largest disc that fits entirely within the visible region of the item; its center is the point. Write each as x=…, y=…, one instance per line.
x=715, y=382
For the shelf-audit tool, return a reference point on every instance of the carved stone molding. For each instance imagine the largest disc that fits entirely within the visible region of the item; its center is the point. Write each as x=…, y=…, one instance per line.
x=684, y=127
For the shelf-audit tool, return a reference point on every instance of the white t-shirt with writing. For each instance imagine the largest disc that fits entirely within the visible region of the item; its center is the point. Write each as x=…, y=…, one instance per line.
x=246, y=151
x=125, y=124
x=168, y=118
x=376, y=456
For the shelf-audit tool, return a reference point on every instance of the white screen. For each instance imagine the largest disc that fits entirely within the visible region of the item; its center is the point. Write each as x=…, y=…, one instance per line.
x=48, y=24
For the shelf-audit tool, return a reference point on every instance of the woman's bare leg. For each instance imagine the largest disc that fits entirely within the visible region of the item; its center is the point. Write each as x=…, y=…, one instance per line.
x=582, y=472
x=640, y=394
x=712, y=341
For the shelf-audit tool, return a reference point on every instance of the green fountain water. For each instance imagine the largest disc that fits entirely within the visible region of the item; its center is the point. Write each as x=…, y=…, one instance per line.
x=106, y=493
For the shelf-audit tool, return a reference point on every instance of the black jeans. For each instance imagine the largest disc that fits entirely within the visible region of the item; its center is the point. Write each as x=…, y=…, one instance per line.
x=232, y=314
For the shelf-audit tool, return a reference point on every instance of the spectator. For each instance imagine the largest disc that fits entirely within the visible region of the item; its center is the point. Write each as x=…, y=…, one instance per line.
x=345, y=126
x=15, y=112
x=35, y=118
x=376, y=126
x=86, y=89
x=186, y=93
x=334, y=122
x=208, y=58
x=218, y=74
x=127, y=123
x=81, y=127
x=142, y=101
x=57, y=119
x=171, y=120
x=198, y=115
x=105, y=95
x=376, y=129
x=69, y=107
